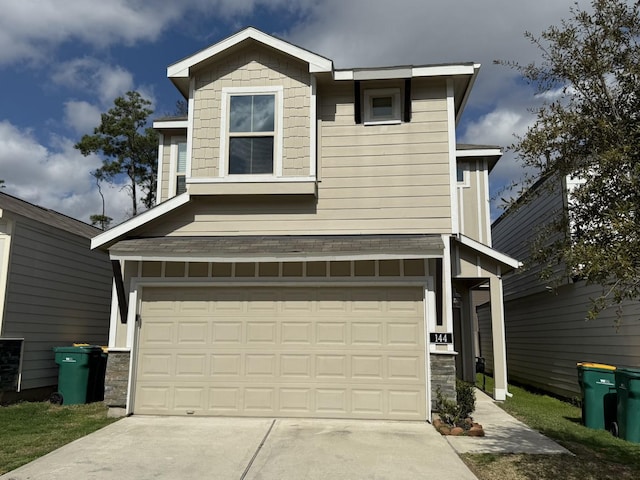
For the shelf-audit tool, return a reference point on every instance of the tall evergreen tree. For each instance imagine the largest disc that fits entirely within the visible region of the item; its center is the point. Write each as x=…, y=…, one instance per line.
x=128, y=147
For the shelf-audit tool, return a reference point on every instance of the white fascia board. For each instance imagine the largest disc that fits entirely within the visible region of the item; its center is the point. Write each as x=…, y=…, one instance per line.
x=139, y=220
x=343, y=75
x=160, y=124
x=405, y=72
x=489, y=252
x=444, y=70
x=481, y=152
x=316, y=62
x=465, y=96
x=114, y=255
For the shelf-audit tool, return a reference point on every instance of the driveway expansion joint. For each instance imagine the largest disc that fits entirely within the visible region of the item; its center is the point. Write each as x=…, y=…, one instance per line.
x=246, y=470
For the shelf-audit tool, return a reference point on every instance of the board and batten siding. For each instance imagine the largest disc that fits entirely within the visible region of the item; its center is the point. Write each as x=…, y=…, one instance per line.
x=473, y=205
x=547, y=334
x=252, y=66
x=58, y=292
x=372, y=179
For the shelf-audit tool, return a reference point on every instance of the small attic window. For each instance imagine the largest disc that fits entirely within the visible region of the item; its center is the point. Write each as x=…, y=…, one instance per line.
x=382, y=106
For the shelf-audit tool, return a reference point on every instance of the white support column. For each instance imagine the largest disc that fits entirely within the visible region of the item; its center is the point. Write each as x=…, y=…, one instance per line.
x=499, y=342
x=447, y=298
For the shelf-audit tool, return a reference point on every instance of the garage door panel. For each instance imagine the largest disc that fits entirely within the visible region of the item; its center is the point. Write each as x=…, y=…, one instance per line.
x=261, y=332
x=324, y=352
x=331, y=333
x=193, y=333
x=192, y=365
x=367, y=333
x=296, y=333
x=226, y=333
x=296, y=366
x=226, y=365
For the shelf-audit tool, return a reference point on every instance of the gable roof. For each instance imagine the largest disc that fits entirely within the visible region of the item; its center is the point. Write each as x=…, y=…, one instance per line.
x=463, y=74
x=180, y=71
x=46, y=216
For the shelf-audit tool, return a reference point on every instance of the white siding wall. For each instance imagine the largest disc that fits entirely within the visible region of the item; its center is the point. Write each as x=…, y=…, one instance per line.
x=58, y=293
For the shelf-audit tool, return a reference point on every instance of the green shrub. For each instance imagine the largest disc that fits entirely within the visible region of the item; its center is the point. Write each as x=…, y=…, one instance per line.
x=455, y=413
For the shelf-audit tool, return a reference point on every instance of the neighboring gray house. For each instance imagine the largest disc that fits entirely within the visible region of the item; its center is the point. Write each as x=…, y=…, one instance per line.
x=54, y=291
x=546, y=330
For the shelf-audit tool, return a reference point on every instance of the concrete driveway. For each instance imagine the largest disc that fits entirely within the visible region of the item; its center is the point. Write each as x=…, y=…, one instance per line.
x=142, y=447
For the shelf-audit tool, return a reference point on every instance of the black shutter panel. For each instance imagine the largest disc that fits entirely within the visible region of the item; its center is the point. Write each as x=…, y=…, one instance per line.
x=357, y=107
x=407, y=100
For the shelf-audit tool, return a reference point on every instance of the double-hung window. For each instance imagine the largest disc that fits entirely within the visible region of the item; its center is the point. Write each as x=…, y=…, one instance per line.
x=252, y=126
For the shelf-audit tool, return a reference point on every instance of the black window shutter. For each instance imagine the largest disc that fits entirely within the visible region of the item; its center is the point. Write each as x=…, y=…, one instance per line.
x=357, y=108
x=407, y=100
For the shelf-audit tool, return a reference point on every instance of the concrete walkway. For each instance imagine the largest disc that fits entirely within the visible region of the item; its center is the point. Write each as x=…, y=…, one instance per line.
x=503, y=433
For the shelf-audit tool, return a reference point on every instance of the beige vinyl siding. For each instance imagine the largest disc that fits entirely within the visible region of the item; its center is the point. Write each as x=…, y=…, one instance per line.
x=547, y=334
x=514, y=232
x=59, y=292
x=252, y=66
x=372, y=179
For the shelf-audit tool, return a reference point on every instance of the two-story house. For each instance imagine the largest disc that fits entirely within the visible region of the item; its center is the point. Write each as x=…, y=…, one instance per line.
x=314, y=227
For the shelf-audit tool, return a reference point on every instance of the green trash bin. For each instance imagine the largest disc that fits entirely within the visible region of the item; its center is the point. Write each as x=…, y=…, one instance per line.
x=598, y=385
x=628, y=421
x=77, y=374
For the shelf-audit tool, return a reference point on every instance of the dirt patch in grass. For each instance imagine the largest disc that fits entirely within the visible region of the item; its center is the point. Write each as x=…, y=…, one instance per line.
x=546, y=467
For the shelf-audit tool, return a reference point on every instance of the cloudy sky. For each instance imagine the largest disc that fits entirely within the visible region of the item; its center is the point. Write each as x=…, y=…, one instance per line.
x=62, y=62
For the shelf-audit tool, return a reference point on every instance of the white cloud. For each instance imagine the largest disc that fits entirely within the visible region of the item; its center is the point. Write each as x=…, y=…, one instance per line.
x=30, y=30
x=101, y=79
x=377, y=32
x=57, y=177
x=82, y=116
x=500, y=127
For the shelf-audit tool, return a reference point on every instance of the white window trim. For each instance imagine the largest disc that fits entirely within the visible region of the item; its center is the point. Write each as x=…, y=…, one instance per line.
x=173, y=164
x=466, y=174
x=394, y=118
x=160, y=167
x=228, y=92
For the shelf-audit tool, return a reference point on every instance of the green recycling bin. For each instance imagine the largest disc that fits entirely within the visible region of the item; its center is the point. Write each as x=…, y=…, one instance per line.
x=78, y=374
x=628, y=421
x=598, y=385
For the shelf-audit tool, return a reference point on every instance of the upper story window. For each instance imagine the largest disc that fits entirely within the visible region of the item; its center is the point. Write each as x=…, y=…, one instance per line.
x=181, y=168
x=252, y=139
x=462, y=174
x=382, y=106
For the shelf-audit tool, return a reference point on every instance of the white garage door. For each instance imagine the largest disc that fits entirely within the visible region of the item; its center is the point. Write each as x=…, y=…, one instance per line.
x=288, y=352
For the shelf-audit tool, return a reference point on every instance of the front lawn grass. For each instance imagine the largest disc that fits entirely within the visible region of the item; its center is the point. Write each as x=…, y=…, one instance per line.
x=597, y=454
x=32, y=429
